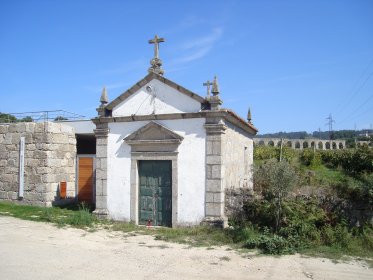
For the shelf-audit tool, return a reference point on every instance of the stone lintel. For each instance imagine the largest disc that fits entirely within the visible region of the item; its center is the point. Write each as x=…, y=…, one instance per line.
x=153, y=142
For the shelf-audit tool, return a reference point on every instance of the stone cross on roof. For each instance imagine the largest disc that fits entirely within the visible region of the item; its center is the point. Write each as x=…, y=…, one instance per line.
x=156, y=42
x=156, y=62
x=208, y=84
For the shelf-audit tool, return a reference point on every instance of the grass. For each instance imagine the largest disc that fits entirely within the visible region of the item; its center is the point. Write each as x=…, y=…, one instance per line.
x=327, y=177
x=79, y=217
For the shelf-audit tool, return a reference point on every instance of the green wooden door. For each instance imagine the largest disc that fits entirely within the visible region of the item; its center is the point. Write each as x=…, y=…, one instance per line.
x=155, y=203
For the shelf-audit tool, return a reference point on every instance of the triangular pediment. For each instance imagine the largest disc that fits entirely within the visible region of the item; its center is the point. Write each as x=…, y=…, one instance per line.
x=145, y=81
x=153, y=132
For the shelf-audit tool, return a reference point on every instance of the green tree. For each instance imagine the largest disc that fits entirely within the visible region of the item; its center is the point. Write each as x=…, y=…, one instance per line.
x=7, y=118
x=274, y=180
x=60, y=118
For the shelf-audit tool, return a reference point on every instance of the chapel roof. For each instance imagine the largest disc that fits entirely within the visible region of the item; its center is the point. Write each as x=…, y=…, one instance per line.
x=156, y=72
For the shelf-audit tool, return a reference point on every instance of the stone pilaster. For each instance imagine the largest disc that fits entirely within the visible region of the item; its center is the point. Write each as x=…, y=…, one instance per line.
x=101, y=134
x=214, y=192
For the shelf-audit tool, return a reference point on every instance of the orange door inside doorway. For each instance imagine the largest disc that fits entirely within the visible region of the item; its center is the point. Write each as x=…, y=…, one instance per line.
x=85, y=181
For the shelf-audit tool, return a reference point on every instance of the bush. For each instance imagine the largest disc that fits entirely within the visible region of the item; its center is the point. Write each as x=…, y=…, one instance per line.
x=270, y=152
x=356, y=190
x=353, y=161
x=269, y=244
x=311, y=158
x=274, y=180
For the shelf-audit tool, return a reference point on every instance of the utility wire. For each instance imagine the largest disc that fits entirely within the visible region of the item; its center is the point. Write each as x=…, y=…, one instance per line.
x=357, y=109
x=355, y=85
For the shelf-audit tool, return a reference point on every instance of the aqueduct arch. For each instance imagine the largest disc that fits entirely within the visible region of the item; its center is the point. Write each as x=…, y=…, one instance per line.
x=300, y=144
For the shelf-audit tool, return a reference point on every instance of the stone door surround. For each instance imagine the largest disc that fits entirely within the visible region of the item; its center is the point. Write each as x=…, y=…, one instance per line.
x=153, y=142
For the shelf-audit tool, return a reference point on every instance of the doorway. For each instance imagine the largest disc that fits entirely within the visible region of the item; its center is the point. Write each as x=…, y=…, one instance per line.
x=155, y=192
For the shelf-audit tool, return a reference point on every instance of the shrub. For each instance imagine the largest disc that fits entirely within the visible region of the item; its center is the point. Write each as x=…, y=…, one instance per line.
x=269, y=244
x=356, y=190
x=353, y=161
x=274, y=180
x=312, y=158
x=270, y=152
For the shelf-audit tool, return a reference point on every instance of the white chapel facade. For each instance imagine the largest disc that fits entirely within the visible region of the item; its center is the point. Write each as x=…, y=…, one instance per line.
x=165, y=155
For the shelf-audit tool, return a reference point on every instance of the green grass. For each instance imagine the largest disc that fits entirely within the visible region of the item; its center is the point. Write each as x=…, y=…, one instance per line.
x=327, y=177
x=79, y=217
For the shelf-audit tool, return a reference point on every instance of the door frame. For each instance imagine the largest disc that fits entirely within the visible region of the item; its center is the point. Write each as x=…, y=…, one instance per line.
x=135, y=189
x=78, y=156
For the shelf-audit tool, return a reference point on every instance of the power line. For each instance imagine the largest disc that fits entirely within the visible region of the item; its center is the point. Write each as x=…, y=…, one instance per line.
x=357, y=109
x=355, y=85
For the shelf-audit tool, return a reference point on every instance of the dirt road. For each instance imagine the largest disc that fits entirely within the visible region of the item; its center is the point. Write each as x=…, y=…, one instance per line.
x=30, y=250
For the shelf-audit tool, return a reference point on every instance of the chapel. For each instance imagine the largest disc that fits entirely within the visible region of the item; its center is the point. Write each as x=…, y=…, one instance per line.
x=165, y=156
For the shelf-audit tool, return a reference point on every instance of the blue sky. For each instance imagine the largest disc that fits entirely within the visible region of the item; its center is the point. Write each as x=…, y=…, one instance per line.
x=292, y=62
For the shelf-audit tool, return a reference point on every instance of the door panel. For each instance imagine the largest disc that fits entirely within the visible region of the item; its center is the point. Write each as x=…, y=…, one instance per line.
x=85, y=180
x=155, y=192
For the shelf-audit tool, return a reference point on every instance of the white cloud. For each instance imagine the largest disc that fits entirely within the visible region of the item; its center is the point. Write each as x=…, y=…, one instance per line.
x=205, y=41
x=194, y=55
x=199, y=47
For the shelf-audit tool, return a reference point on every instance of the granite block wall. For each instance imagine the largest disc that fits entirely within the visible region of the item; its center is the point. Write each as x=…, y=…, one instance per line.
x=50, y=157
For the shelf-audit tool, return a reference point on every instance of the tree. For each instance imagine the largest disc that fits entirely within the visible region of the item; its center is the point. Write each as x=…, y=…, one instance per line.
x=274, y=180
x=7, y=118
x=60, y=118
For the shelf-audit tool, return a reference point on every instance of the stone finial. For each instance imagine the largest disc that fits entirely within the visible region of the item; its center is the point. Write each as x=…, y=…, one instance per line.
x=215, y=100
x=156, y=62
x=104, y=99
x=249, y=116
x=215, y=86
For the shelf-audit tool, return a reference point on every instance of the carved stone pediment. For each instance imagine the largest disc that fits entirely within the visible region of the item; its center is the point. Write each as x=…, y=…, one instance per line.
x=153, y=137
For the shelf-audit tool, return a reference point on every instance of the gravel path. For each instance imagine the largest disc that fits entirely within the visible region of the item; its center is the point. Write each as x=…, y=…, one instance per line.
x=31, y=250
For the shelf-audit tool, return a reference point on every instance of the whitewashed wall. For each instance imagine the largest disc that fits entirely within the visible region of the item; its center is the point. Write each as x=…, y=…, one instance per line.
x=191, y=169
x=163, y=99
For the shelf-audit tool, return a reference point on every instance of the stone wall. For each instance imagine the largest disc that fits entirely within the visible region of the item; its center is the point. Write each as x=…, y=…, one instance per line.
x=50, y=155
x=237, y=158
x=235, y=200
